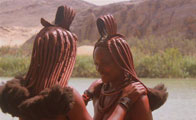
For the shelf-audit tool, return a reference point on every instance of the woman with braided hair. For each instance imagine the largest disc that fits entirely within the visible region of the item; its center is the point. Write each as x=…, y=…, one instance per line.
x=114, y=61
x=44, y=94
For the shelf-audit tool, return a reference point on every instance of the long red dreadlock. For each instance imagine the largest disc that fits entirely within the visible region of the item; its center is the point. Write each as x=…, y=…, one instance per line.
x=122, y=56
x=117, y=46
x=54, y=53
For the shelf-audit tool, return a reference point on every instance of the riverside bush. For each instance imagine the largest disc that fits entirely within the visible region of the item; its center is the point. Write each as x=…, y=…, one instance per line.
x=152, y=44
x=14, y=65
x=165, y=64
x=190, y=66
x=84, y=67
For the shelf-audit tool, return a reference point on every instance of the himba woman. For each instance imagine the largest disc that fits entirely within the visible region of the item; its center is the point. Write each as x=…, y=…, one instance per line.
x=114, y=61
x=44, y=94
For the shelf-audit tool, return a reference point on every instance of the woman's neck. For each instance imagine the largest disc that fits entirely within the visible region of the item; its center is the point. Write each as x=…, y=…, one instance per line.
x=116, y=83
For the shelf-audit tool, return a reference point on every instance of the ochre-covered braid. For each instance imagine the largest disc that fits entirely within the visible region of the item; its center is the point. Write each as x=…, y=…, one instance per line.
x=54, y=53
x=115, y=43
x=43, y=93
x=122, y=56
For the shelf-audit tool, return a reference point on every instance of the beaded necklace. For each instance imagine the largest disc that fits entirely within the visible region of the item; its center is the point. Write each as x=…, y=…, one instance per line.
x=114, y=93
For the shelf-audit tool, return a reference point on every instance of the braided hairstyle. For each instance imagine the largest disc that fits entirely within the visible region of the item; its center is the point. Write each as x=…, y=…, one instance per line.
x=54, y=53
x=116, y=45
x=122, y=56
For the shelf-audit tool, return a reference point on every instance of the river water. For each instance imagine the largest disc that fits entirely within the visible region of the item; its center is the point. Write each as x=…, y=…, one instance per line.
x=181, y=103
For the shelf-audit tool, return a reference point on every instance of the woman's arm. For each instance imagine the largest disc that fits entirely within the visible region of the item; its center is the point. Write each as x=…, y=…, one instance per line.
x=131, y=95
x=140, y=110
x=79, y=111
x=132, y=91
x=118, y=114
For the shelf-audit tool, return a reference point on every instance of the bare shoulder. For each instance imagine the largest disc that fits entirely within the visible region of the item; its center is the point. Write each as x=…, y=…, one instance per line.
x=78, y=101
x=141, y=109
x=78, y=108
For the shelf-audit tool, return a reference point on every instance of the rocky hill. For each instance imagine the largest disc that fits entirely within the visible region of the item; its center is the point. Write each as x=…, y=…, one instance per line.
x=27, y=13
x=20, y=19
x=136, y=18
x=145, y=17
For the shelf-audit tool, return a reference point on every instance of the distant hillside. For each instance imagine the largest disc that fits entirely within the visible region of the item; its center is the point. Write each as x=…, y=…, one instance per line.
x=27, y=13
x=136, y=18
x=20, y=19
x=11, y=36
x=145, y=17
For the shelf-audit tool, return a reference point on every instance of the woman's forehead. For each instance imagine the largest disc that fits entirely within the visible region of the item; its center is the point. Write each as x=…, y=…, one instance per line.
x=102, y=53
x=102, y=50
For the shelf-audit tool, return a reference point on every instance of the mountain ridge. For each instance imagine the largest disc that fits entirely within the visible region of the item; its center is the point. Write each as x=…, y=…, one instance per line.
x=137, y=18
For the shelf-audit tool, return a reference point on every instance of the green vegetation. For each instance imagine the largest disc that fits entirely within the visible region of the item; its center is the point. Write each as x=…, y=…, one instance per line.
x=166, y=64
x=14, y=61
x=84, y=67
x=153, y=45
x=13, y=65
x=163, y=57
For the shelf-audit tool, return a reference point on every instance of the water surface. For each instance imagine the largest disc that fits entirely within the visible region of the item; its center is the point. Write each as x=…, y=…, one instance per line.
x=181, y=103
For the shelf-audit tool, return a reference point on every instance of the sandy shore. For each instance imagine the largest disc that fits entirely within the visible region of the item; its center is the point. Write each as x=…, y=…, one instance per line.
x=85, y=50
x=15, y=36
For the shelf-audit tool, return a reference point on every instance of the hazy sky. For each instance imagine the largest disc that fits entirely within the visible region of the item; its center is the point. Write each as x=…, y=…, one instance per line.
x=103, y=2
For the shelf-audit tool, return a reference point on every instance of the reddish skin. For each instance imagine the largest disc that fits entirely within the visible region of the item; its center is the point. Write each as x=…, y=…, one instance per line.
x=118, y=113
x=79, y=111
x=109, y=71
x=112, y=74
